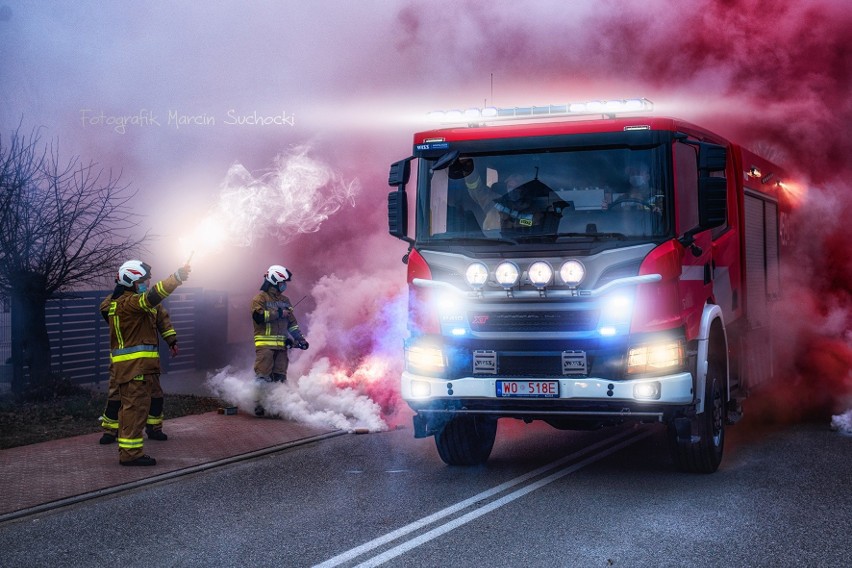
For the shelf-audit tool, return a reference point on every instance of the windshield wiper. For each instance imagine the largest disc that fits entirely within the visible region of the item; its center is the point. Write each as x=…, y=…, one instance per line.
x=478, y=240
x=594, y=236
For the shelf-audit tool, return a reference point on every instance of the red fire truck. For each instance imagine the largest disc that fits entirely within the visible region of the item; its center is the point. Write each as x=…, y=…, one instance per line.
x=587, y=265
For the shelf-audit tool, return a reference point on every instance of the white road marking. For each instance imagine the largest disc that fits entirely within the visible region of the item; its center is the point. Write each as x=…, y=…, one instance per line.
x=453, y=509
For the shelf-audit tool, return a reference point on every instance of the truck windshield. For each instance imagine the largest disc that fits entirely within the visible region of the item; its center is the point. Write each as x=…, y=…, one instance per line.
x=553, y=196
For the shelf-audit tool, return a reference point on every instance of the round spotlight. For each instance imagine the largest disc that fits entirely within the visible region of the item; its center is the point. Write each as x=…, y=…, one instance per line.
x=476, y=275
x=540, y=273
x=507, y=274
x=572, y=272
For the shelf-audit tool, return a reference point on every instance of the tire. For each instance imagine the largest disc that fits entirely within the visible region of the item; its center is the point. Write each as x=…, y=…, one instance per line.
x=703, y=452
x=466, y=440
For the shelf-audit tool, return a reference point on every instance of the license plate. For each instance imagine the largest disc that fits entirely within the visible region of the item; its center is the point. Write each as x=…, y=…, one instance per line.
x=528, y=389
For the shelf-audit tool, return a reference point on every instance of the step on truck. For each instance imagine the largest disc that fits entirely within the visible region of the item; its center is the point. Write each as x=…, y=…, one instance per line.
x=587, y=265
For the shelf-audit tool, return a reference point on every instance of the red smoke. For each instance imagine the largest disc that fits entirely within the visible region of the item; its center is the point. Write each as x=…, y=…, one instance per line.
x=772, y=75
x=787, y=65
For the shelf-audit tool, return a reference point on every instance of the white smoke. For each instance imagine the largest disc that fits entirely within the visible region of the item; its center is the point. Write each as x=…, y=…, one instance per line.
x=315, y=399
x=295, y=196
x=349, y=378
x=842, y=423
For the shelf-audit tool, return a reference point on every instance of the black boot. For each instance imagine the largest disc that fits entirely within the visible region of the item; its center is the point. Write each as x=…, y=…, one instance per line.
x=156, y=434
x=259, y=410
x=144, y=460
x=106, y=439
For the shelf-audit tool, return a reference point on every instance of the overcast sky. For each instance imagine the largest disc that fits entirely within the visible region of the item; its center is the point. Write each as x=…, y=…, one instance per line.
x=344, y=85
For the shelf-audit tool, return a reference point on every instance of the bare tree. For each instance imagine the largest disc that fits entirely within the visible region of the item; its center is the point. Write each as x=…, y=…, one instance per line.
x=62, y=224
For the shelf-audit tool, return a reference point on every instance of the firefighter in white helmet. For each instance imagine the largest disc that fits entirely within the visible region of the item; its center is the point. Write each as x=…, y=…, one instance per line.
x=154, y=423
x=272, y=314
x=134, y=354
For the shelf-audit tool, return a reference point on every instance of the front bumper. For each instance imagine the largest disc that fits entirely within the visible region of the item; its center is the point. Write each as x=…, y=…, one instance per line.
x=578, y=397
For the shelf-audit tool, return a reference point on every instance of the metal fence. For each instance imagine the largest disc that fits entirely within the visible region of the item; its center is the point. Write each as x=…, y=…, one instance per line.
x=5, y=340
x=79, y=336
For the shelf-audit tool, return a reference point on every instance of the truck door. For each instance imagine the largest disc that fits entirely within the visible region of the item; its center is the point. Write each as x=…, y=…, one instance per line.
x=696, y=281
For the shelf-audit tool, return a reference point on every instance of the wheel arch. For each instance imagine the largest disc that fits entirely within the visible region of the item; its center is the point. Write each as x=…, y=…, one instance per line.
x=712, y=343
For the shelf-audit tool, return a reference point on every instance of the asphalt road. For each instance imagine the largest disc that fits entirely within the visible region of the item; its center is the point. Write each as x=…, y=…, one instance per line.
x=546, y=498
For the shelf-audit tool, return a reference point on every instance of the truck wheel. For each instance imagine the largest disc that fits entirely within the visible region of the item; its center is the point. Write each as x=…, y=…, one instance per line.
x=703, y=452
x=466, y=440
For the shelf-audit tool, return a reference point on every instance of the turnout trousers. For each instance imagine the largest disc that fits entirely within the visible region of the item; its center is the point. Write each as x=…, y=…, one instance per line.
x=268, y=362
x=135, y=396
x=154, y=422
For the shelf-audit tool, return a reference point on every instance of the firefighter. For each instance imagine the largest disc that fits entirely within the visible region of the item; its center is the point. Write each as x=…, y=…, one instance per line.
x=638, y=192
x=134, y=356
x=482, y=197
x=154, y=423
x=272, y=314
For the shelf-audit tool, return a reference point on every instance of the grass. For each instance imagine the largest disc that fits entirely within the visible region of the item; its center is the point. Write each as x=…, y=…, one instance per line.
x=71, y=412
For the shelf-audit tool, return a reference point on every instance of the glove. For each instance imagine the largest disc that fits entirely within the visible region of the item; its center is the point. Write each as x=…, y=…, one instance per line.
x=302, y=344
x=182, y=273
x=174, y=349
x=288, y=343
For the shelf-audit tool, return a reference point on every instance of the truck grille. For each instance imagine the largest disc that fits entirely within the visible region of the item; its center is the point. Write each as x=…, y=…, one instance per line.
x=530, y=366
x=554, y=320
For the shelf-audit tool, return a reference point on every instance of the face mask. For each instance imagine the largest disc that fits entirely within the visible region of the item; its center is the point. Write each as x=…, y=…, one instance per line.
x=282, y=286
x=141, y=288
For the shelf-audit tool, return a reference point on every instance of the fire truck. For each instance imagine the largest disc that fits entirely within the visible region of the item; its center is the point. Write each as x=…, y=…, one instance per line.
x=587, y=265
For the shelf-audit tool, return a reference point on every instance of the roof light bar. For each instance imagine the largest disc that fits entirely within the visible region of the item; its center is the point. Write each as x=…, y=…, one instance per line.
x=489, y=114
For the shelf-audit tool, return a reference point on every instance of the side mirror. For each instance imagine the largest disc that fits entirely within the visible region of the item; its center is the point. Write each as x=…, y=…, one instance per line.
x=712, y=202
x=398, y=215
x=399, y=173
x=711, y=157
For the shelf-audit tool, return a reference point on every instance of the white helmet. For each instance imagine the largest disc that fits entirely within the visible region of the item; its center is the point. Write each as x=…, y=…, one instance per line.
x=133, y=271
x=277, y=274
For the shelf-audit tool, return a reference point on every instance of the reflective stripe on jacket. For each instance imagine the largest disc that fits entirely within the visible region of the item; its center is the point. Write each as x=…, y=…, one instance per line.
x=135, y=352
x=272, y=333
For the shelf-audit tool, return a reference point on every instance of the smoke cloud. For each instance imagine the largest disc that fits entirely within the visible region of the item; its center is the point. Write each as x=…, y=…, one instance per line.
x=348, y=378
x=772, y=75
x=295, y=196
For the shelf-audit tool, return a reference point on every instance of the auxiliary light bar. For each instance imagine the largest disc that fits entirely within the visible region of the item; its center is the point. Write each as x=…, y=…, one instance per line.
x=488, y=114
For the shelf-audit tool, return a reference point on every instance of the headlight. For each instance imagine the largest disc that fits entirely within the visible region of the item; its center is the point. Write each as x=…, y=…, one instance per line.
x=572, y=272
x=448, y=303
x=647, y=391
x=616, y=313
x=421, y=389
x=425, y=359
x=540, y=273
x=617, y=307
x=507, y=274
x=476, y=275
x=654, y=357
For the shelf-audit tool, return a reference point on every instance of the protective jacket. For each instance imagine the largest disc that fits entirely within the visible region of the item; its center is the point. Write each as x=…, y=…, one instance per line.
x=163, y=321
x=134, y=326
x=272, y=314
